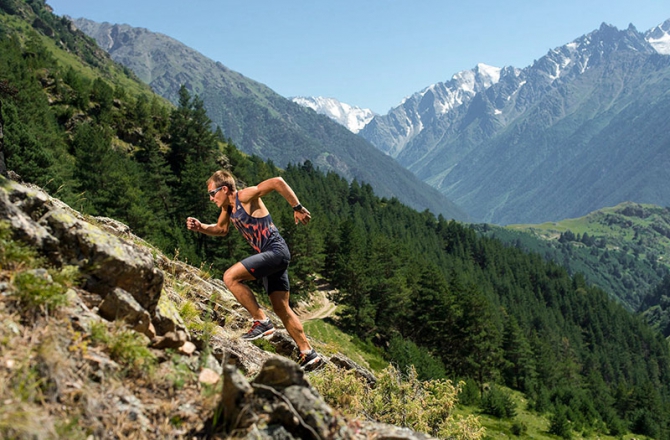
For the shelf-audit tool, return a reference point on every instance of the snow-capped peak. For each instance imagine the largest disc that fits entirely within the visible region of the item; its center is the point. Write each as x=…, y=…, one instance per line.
x=488, y=74
x=352, y=117
x=659, y=38
x=481, y=77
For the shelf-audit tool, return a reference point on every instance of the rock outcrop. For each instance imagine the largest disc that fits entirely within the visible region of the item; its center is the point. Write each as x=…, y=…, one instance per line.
x=108, y=263
x=279, y=402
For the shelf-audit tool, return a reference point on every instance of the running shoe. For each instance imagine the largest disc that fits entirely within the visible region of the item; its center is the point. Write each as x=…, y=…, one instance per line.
x=258, y=330
x=309, y=361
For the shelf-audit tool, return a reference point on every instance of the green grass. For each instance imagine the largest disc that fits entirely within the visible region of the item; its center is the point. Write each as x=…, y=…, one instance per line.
x=113, y=72
x=616, y=224
x=126, y=347
x=14, y=254
x=334, y=340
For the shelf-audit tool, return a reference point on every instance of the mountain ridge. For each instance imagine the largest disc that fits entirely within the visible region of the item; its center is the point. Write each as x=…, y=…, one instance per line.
x=659, y=37
x=259, y=120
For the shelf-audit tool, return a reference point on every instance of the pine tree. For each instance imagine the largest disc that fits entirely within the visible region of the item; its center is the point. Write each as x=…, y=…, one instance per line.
x=559, y=423
x=349, y=269
x=307, y=252
x=190, y=134
x=93, y=154
x=518, y=370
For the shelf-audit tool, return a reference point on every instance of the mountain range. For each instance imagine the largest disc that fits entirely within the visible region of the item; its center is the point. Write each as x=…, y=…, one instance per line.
x=583, y=127
x=580, y=129
x=260, y=121
x=431, y=132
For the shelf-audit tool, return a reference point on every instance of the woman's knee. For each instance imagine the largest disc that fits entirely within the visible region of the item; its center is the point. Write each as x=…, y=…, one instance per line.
x=229, y=278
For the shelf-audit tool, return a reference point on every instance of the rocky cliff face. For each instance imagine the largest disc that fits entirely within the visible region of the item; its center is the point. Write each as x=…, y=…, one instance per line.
x=115, y=357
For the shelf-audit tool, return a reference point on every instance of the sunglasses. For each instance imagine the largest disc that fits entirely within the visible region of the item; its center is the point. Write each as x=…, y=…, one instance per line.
x=213, y=192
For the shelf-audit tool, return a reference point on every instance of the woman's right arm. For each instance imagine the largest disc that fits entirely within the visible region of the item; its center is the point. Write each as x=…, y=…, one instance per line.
x=220, y=228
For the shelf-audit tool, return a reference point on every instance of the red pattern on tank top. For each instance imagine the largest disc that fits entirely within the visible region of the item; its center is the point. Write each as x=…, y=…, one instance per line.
x=258, y=231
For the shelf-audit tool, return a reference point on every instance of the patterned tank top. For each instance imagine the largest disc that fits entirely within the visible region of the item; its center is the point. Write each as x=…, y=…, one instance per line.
x=260, y=232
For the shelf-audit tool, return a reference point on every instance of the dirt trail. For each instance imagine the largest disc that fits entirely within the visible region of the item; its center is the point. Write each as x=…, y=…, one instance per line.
x=321, y=306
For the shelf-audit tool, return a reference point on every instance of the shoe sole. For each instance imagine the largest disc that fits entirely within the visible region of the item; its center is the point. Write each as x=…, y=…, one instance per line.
x=262, y=335
x=313, y=364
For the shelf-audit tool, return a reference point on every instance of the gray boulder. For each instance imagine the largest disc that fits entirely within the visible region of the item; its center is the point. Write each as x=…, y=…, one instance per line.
x=106, y=260
x=278, y=403
x=119, y=304
x=341, y=361
x=17, y=204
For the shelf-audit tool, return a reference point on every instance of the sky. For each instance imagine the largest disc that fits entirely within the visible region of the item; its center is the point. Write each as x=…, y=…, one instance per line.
x=368, y=53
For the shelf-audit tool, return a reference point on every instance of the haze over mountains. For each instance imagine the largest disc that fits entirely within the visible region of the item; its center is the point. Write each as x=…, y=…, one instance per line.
x=583, y=127
x=258, y=120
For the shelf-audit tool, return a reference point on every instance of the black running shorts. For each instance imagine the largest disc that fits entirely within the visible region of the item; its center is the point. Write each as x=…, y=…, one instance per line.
x=272, y=266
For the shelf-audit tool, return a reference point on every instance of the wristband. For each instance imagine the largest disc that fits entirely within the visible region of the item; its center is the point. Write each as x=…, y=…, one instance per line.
x=298, y=207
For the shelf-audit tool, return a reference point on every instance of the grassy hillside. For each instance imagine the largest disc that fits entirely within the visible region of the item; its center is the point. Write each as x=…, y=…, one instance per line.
x=71, y=48
x=623, y=249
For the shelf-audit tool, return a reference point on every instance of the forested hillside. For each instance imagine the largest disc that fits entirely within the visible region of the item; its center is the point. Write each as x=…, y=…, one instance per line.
x=656, y=307
x=429, y=291
x=489, y=312
x=622, y=249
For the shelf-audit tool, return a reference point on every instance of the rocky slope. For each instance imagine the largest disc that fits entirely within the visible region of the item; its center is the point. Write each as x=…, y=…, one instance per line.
x=112, y=356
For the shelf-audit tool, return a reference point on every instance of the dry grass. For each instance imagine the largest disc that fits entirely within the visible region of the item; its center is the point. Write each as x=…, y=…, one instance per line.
x=56, y=382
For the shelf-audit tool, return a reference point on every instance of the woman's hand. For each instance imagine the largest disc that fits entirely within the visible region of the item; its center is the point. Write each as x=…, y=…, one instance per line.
x=193, y=224
x=303, y=216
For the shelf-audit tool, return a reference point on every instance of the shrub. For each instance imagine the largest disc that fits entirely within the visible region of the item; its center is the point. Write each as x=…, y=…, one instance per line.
x=14, y=254
x=180, y=371
x=401, y=400
x=36, y=289
x=34, y=286
x=343, y=390
x=519, y=429
x=125, y=346
x=404, y=353
x=469, y=394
